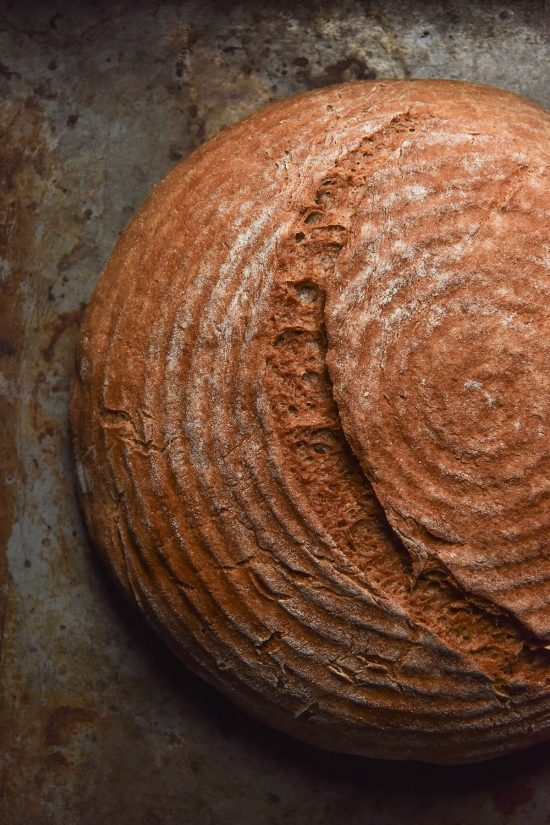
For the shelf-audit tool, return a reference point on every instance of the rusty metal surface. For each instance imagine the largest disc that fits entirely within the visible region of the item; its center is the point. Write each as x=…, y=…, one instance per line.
x=98, y=722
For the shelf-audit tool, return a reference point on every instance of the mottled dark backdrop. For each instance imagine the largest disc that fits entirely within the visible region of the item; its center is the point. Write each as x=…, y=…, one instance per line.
x=99, y=723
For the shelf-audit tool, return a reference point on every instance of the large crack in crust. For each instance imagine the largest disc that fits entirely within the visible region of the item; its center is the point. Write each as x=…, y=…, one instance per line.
x=305, y=419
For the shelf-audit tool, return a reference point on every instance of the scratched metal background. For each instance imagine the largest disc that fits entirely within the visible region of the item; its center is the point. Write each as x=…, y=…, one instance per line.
x=98, y=723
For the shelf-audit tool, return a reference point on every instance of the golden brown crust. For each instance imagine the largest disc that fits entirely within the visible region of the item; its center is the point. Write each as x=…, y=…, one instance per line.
x=440, y=346
x=214, y=472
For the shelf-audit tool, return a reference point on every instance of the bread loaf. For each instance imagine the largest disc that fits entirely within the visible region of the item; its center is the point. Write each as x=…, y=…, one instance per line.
x=311, y=417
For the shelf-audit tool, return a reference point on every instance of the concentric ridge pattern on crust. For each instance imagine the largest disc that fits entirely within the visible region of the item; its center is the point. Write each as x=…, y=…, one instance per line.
x=214, y=471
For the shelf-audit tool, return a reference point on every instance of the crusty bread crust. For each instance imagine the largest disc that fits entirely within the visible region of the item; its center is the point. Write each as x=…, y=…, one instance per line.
x=214, y=452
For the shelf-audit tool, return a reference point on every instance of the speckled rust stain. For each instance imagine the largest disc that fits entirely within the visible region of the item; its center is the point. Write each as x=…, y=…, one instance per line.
x=56, y=328
x=20, y=146
x=63, y=721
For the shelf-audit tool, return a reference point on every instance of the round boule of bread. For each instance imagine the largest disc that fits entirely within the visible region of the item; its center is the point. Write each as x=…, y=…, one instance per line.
x=311, y=417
